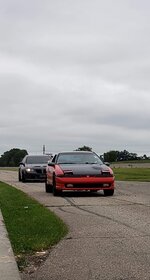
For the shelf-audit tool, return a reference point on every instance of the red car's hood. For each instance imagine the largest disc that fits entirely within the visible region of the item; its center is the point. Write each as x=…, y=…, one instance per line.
x=85, y=169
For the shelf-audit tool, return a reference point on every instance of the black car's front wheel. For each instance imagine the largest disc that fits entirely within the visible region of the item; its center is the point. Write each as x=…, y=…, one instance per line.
x=19, y=176
x=48, y=187
x=23, y=177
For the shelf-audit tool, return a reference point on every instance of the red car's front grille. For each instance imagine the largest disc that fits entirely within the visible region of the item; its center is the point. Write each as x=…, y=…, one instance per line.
x=88, y=185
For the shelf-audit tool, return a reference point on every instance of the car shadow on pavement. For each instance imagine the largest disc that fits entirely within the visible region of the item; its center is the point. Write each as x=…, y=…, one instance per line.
x=82, y=193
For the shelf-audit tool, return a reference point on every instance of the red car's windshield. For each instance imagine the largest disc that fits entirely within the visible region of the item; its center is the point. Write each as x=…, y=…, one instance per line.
x=78, y=158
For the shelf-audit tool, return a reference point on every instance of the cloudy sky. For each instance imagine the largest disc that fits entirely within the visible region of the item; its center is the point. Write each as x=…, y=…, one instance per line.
x=75, y=73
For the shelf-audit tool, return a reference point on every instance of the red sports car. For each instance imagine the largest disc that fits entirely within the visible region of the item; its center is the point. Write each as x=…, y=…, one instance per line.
x=78, y=171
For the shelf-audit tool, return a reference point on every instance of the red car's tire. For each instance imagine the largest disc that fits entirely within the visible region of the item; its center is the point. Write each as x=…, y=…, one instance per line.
x=55, y=191
x=48, y=188
x=108, y=192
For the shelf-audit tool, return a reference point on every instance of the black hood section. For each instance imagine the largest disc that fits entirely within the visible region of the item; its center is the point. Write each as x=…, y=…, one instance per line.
x=85, y=169
x=35, y=165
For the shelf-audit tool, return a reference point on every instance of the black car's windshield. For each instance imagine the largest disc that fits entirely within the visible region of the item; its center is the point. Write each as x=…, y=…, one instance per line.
x=37, y=159
x=78, y=158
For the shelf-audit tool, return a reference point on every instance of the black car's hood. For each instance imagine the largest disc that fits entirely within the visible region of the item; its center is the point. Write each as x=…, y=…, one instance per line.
x=85, y=169
x=35, y=165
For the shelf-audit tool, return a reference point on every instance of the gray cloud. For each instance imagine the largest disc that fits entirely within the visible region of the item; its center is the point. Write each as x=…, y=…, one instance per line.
x=75, y=73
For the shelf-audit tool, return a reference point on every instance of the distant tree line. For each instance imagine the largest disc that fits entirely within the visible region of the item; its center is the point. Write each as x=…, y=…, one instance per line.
x=12, y=158
x=113, y=156
x=84, y=148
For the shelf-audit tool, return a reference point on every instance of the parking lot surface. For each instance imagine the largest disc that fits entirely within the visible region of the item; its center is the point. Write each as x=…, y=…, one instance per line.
x=109, y=237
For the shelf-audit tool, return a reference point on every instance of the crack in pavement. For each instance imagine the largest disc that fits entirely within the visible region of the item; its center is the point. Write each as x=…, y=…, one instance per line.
x=103, y=216
x=105, y=237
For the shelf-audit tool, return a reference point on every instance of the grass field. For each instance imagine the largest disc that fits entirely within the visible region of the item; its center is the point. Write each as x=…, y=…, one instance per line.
x=31, y=227
x=124, y=171
x=133, y=161
x=132, y=174
x=9, y=168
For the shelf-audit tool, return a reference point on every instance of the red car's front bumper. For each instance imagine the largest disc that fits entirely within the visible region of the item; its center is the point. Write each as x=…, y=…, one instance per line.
x=84, y=183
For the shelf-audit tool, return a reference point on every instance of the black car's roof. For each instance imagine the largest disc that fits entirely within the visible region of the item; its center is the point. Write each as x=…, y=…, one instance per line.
x=37, y=155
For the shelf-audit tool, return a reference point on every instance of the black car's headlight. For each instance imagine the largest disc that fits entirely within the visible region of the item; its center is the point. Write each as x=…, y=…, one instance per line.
x=29, y=169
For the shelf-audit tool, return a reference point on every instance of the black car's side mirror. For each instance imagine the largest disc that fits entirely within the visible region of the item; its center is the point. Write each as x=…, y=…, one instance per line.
x=21, y=163
x=107, y=163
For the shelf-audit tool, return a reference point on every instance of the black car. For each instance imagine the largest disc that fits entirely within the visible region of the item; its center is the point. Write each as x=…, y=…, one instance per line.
x=33, y=167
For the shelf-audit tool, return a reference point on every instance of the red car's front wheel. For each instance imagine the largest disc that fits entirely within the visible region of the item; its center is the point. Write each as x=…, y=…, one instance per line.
x=108, y=192
x=55, y=191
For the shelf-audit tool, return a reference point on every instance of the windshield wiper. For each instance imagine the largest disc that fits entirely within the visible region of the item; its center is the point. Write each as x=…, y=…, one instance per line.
x=91, y=162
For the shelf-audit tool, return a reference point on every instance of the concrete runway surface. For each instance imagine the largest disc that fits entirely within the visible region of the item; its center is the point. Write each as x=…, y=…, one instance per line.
x=109, y=237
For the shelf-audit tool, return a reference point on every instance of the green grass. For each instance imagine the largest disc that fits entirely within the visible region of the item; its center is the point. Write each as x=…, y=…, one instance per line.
x=132, y=161
x=9, y=168
x=132, y=174
x=31, y=227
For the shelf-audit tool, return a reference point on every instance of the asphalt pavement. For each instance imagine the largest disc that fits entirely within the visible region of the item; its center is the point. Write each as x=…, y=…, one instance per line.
x=108, y=236
x=8, y=265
